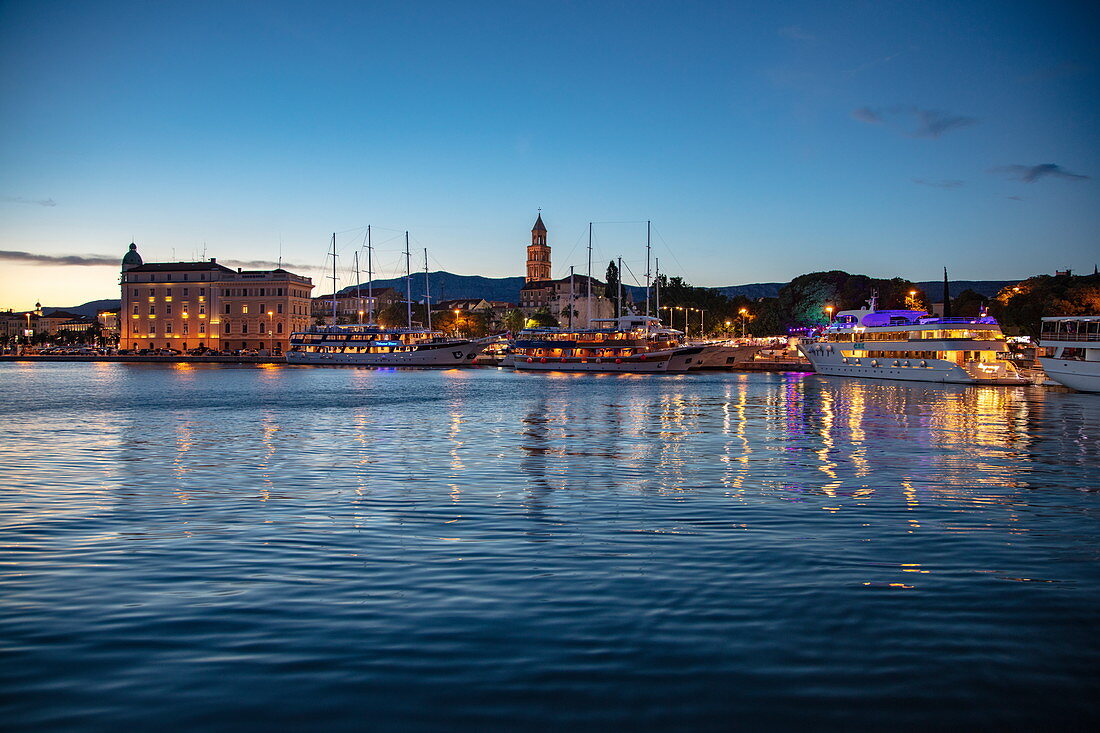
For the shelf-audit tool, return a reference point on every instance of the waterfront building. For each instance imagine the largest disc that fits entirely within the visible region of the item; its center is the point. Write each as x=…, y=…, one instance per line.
x=353, y=308
x=186, y=305
x=25, y=324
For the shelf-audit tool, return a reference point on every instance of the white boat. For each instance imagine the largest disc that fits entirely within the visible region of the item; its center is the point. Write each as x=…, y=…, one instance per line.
x=725, y=354
x=1075, y=362
x=912, y=345
x=373, y=345
x=635, y=344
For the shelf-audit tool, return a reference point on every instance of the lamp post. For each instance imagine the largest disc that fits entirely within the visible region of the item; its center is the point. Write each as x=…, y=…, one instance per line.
x=457, y=321
x=829, y=312
x=727, y=329
x=744, y=312
x=911, y=301
x=701, y=330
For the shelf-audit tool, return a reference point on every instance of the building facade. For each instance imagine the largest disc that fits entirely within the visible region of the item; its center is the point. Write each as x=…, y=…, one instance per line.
x=187, y=305
x=566, y=299
x=538, y=253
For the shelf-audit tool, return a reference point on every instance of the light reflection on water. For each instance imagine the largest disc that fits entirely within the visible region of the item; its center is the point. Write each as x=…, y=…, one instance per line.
x=485, y=549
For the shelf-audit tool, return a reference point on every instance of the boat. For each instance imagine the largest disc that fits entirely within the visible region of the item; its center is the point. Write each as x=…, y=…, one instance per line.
x=912, y=345
x=1075, y=362
x=725, y=354
x=632, y=343
x=370, y=344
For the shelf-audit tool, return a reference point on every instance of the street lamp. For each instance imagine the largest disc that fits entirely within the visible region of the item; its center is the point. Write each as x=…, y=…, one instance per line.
x=457, y=321
x=829, y=312
x=744, y=312
x=727, y=329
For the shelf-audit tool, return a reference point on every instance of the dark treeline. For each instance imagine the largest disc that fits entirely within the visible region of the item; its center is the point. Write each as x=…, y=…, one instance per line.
x=1019, y=308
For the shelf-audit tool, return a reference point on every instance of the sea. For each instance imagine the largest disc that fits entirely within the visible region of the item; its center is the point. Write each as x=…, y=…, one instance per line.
x=242, y=547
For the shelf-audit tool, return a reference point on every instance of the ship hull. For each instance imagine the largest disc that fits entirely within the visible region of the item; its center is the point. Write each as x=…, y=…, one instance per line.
x=434, y=356
x=1083, y=376
x=933, y=370
x=676, y=361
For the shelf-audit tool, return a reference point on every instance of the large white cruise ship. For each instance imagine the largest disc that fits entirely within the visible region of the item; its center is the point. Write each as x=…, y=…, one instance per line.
x=373, y=345
x=912, y=345
x=1076, y=359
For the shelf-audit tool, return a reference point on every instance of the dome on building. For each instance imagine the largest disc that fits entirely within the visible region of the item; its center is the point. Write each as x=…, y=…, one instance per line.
x=132, y=258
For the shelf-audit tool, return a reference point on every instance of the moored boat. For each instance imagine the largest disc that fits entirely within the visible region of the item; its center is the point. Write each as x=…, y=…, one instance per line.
x=912, y=345
x=635, y=344
x=1075, y=361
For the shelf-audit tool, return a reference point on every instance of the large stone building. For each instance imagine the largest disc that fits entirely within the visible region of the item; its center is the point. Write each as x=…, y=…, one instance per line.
x=186, y=305
x=566, y=299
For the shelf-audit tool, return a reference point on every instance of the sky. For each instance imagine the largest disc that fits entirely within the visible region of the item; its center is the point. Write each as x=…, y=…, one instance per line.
x=763, y=140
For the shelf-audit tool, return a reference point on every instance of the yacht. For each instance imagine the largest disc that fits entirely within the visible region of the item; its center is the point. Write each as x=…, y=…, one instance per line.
x=373, y=345
x=636, y=344
x=912, y=345
x=1075, y=362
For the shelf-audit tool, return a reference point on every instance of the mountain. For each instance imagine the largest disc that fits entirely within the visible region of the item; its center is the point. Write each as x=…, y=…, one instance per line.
x=89, y=309
x=448, y=286
x=985, y=288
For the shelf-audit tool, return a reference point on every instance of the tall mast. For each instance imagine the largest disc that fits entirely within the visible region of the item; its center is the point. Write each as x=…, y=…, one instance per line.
x=334, y=278
x=408, y=281
x=370, y=279
x=647, y=283
x=588, y=305
x=427, y=291
x=358, y=293
x=619, y=297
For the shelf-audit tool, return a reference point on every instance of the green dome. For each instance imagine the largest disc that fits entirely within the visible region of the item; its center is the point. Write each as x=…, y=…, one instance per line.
x=132, y=258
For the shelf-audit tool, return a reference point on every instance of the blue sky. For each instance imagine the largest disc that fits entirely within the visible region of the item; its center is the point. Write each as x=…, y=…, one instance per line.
x=762, y=140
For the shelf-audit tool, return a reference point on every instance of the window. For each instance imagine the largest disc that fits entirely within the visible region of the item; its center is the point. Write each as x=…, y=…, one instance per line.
x=135, y=309
x=202, y=309
x=279, y=327
x=244, y=327
x=202, y=328
x=263, y=306
x=202, y=291
x=244, y=309
x=184, y=328
x=169, y=292
x=279, y=308
x=226, y=328
x=152, y=310
x=152, y=329
x=152, y=292
x=280, y=292
x=135, y=292
x=168, y=327
x=228, y=309
x=185, y=289
x=168, y=310
x=261, y=294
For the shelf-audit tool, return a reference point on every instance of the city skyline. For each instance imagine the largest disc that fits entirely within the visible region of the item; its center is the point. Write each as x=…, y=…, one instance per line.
x=878, y=138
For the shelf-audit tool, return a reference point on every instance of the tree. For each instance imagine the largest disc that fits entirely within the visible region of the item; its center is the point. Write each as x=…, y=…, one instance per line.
x=1019, y=308
x=542, y=319
x=611, y=290
x=514, y=320
x=393, y=315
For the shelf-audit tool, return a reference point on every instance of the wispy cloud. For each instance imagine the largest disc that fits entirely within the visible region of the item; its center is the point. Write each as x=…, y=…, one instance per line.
x=34, y=202
x=1032, y=173
x=868, y=115
x=873, y=63
x=79, y=260
x=796, y=33
x=116, y=261
x=949, y=183
x=914, y=121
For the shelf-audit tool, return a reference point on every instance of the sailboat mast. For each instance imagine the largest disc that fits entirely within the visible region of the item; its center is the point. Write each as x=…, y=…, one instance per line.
x=334, y=278
x=588, y=304
x=647, y=282
x=408, y=281
x=619, y=297
x=370, y=279
x=427, y=291
x=358, y=292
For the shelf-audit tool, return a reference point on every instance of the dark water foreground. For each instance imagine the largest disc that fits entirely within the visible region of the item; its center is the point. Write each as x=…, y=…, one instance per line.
x=261, y=548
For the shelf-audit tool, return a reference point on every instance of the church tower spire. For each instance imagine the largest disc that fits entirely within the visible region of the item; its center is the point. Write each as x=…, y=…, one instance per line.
x=538, y=253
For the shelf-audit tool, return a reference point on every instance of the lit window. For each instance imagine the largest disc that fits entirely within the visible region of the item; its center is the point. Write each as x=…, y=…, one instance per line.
x=244, y=309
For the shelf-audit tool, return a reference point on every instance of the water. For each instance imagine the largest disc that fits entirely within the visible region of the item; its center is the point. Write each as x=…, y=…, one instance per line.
x=249, y=548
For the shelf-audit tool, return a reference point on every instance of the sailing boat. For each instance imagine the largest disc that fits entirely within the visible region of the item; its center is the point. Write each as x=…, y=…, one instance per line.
x=369, y=344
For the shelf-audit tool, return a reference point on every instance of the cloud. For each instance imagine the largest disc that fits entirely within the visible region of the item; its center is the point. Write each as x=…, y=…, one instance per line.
x=868, y=115
x=914, y=121
x=950, y=183
x=1032, y=173
x=36, y=202
x=933, y=122
x=116, y=261
x=873, y=63
x=796, y=33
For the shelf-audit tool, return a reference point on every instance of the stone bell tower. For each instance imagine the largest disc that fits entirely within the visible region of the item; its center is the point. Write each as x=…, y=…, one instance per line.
x=538, y=253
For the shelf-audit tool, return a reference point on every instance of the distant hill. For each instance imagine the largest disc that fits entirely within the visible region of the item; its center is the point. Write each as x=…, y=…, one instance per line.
x=986, y=288
x=448, y=286
x=89, y=309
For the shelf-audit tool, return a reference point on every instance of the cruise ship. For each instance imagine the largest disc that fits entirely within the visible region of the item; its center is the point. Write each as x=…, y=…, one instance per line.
x=1075, y=362
x=636, y=344
x=373, y=345
x=912, y=345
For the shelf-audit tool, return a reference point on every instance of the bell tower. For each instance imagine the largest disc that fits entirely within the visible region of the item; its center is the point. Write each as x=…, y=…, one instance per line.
x=538, y=253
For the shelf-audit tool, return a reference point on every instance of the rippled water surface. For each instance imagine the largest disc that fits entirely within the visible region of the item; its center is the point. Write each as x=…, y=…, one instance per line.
x=241, y=547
